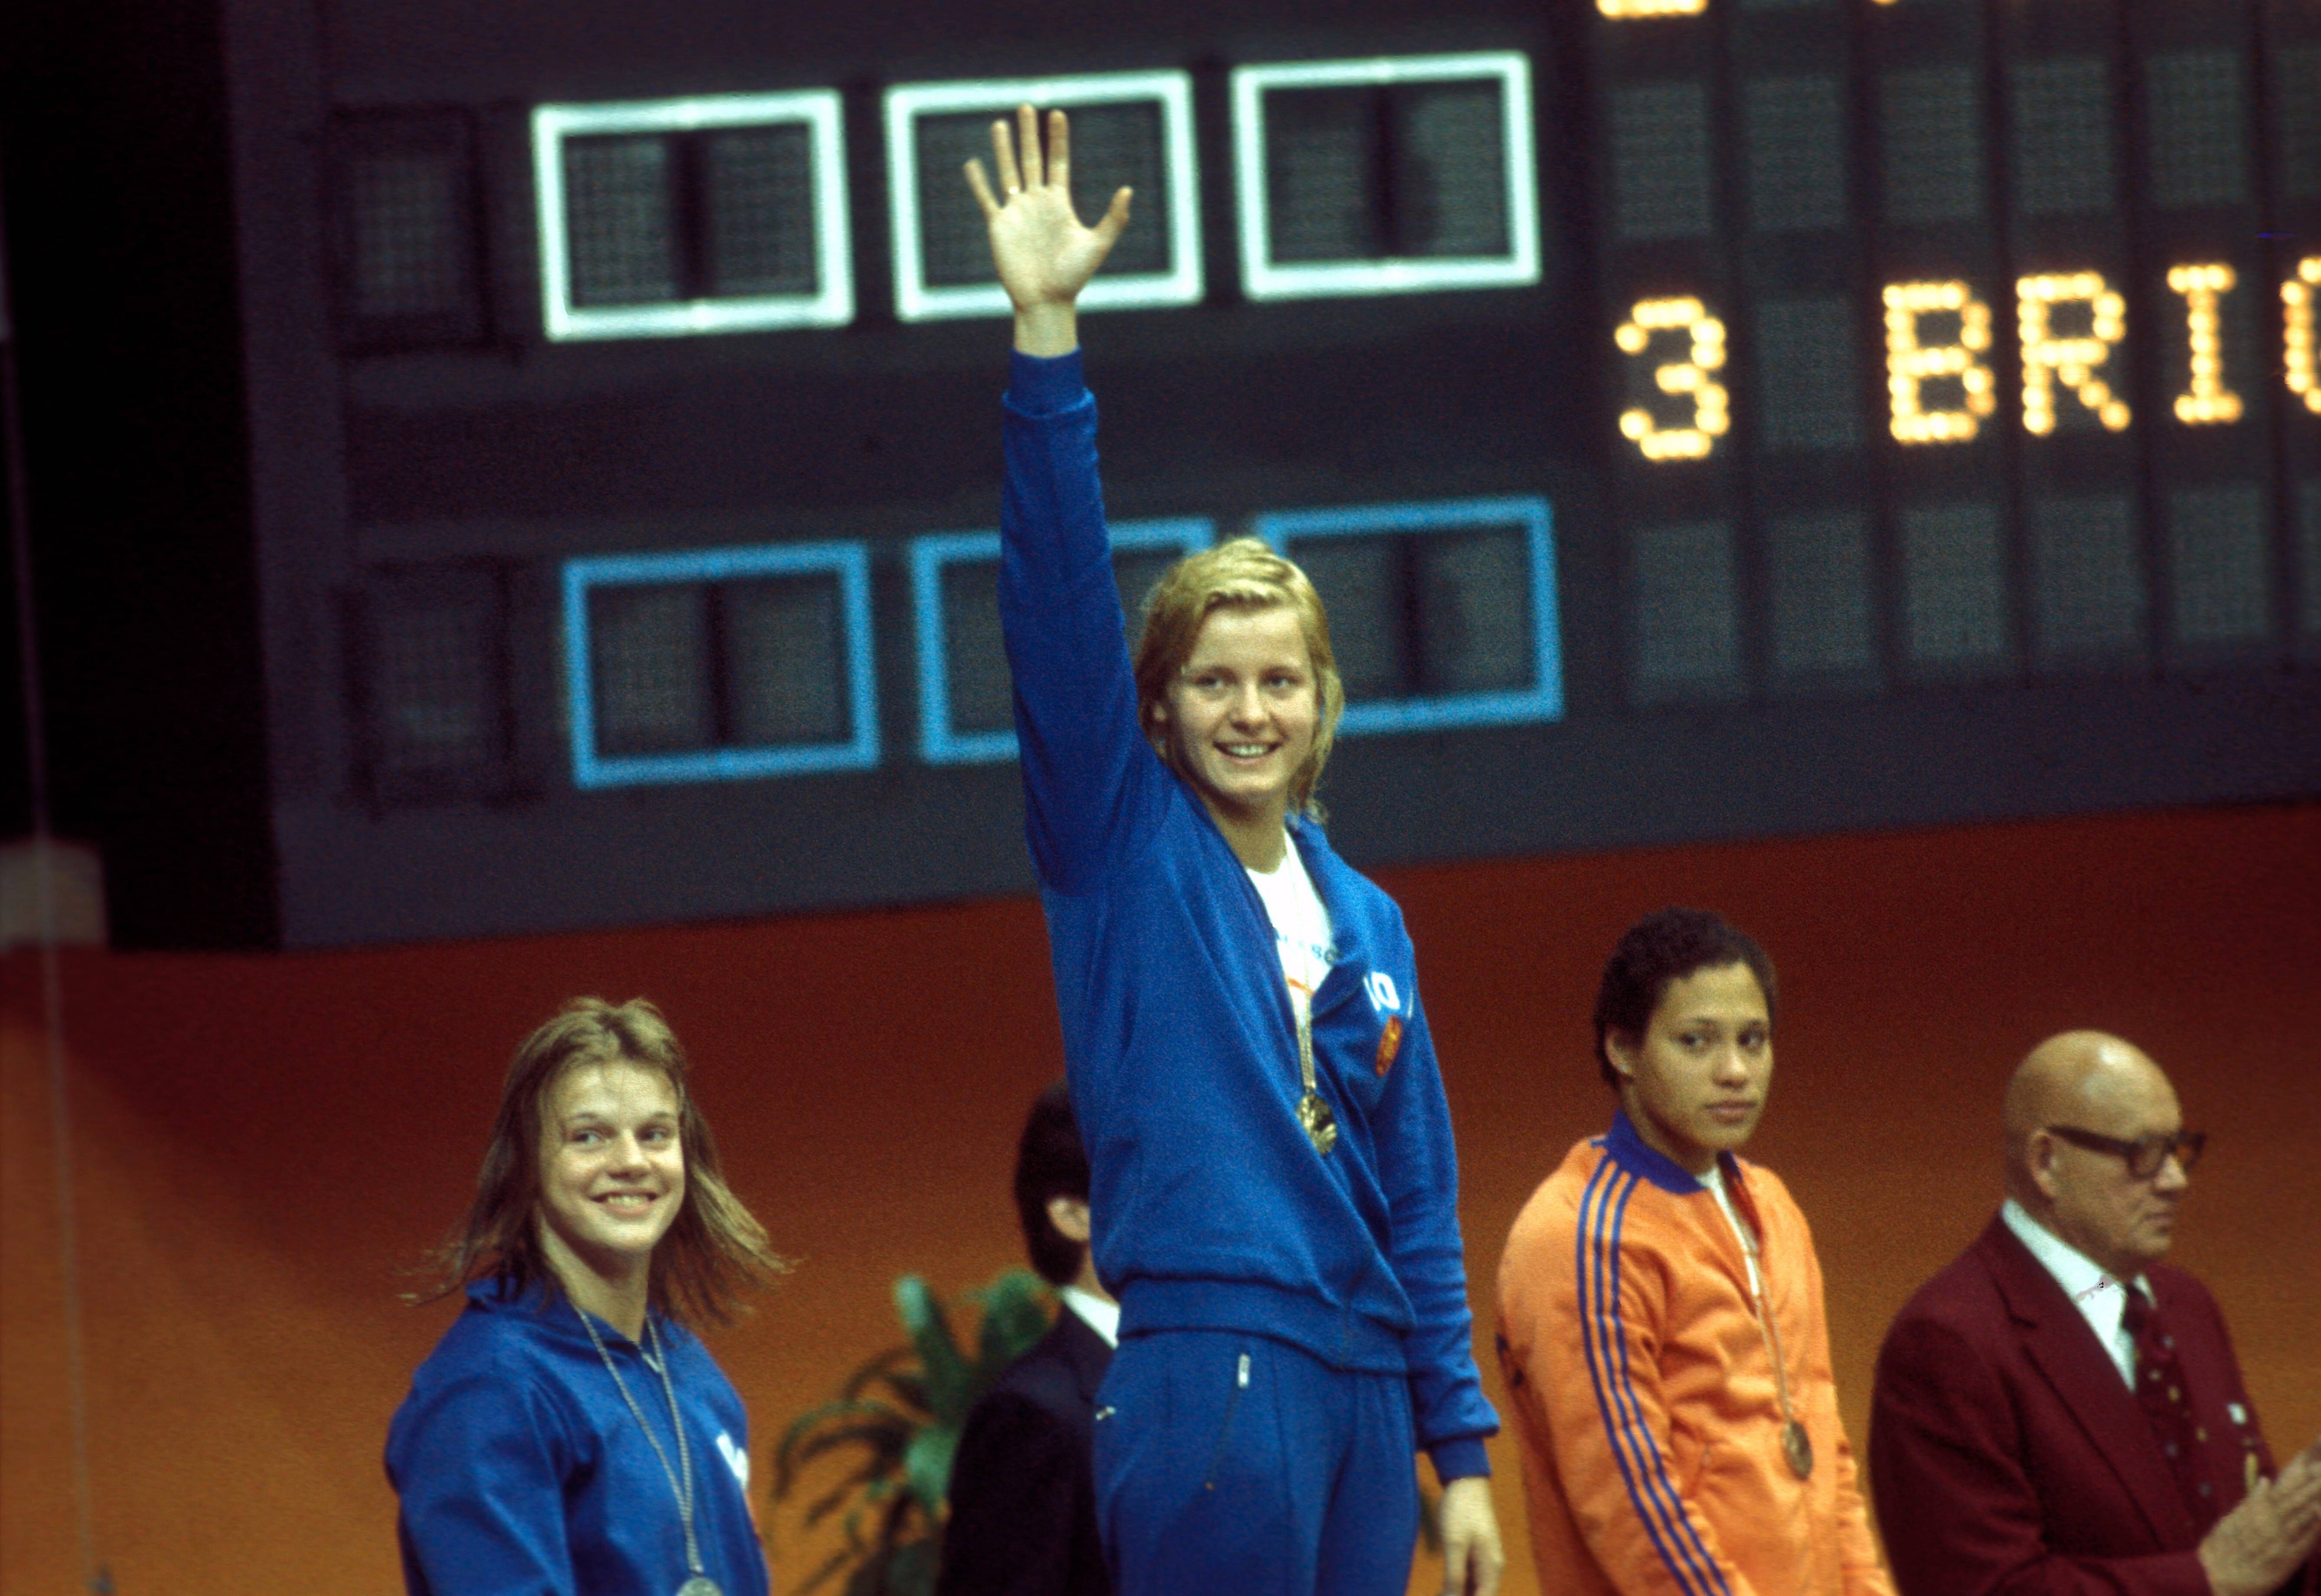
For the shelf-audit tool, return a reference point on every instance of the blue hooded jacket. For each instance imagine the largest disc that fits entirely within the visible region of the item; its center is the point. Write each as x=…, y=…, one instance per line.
x=1213, y=1210
x=523, y=1471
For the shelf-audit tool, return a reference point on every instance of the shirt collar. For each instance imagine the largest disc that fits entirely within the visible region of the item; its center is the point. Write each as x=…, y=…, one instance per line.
x=2091, y=1289
x=1631, y=1151
x=1096, y=1313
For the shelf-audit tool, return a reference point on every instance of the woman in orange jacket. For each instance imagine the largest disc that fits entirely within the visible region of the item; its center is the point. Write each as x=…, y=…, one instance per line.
x=1660, y=1321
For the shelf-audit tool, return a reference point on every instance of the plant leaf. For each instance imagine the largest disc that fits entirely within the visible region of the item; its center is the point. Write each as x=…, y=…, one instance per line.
x=908, y=1388
x=951, y=1388
x=911, y=1570
x=834, y=1424
x=927, y=1464
x=832, y=1564
x=1015, y=1314
x=871, y=1369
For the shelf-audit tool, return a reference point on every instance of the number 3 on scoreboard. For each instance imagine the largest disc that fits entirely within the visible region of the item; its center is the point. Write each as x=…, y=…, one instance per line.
x=1693, y=375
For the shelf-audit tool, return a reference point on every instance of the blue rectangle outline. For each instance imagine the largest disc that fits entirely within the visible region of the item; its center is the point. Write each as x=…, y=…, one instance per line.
x=938, y=743
x=1543, y=702
x=849, y=559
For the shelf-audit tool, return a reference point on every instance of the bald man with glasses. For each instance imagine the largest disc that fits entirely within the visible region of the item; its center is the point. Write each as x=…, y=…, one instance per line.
x=2059, y=1412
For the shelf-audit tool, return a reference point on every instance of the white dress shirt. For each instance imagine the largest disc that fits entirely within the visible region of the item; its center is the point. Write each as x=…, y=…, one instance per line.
x=1096, y=1313
x=2096, y=1295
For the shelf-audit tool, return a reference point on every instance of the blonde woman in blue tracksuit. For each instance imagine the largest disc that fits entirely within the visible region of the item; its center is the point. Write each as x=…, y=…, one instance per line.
x=1275, y=1188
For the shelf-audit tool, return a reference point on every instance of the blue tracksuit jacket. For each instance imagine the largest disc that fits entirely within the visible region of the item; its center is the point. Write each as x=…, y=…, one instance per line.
x=523, y=1471
x=1214, y=1210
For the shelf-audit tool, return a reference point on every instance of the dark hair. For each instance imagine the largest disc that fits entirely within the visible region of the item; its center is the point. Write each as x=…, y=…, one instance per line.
x=1051, y=1162
x=714, y=1247
x=1659, y=949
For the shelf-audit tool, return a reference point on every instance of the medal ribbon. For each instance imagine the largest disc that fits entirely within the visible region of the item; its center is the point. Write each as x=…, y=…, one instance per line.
x=683, y=1493
x=1796, y=1447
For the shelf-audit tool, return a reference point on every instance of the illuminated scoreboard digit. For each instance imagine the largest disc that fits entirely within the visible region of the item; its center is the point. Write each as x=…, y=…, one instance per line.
x=1691, y=372
x=2300, y=367
x=1982, y=301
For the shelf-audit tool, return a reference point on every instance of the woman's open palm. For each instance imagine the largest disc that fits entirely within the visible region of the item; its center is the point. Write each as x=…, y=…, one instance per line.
x=1044, y=255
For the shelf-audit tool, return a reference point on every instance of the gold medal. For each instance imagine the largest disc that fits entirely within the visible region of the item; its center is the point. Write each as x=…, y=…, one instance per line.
x=1321, y=1124
x=1796, y=1447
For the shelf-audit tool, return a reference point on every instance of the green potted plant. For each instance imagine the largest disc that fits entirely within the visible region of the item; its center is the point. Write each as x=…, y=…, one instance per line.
x=896, y=1424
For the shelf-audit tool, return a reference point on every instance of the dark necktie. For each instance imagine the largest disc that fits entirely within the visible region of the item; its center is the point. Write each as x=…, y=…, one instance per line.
x=2160, y=1392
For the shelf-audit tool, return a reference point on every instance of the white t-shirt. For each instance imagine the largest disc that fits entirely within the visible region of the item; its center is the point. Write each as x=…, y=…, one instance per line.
x=1301, y=926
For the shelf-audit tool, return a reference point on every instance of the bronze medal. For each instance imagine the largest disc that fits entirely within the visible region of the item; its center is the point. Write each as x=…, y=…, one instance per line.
x=1796, y=1447
x=1321, y=1124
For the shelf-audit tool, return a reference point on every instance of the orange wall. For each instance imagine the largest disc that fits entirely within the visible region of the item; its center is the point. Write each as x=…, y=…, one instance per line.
x=262, y=1143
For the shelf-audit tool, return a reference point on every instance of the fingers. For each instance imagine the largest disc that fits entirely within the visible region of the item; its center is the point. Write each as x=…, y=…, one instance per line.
x=1114, y=221
x=1059, y=150
x=1003, y=157
x=1027, y=123
x=1454, y=1565
x=2297, y=1495
x=982, y=187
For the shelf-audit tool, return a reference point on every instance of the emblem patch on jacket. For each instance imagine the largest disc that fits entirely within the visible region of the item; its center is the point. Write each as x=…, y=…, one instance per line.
x=1389, y=1044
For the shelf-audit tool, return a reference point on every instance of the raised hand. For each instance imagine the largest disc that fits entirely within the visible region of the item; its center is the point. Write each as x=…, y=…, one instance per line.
x=1044, y=255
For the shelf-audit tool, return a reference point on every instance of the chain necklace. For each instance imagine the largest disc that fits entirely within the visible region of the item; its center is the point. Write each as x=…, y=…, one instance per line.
x=700, y=1584
x=1796, y=1447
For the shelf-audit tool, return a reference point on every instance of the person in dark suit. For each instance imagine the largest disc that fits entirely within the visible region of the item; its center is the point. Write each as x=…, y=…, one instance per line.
x=2058, y=1411
x=1023, y=1493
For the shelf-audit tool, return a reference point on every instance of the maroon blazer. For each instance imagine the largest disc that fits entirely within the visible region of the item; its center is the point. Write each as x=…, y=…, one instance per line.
x=2007, y=1455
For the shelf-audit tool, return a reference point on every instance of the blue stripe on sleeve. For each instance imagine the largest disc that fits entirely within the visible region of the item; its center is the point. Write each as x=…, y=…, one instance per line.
x=1650, y=1491
x=1587, y=1263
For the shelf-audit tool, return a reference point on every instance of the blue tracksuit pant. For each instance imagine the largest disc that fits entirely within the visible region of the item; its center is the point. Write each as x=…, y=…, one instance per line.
x=1233, y=1464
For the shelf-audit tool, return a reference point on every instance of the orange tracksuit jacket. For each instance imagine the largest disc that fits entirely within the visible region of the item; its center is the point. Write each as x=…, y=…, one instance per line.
x=1643, y=1392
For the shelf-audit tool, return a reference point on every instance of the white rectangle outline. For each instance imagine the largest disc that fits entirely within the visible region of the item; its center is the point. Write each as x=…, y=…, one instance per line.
x=1181, y=284
x=938, y=743
x=1543, y=700
x=852, y=563
x=830, y=305
x=1263, y=279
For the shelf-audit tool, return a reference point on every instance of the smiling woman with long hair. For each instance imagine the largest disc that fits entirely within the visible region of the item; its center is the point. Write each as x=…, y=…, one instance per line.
x=569, y=1434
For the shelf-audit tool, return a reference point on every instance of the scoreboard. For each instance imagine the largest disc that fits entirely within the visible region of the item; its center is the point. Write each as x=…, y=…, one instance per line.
x=566, y=481
x=1959, y=338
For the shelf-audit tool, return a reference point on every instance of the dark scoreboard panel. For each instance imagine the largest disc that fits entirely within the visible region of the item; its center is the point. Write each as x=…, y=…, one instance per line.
x=1960, y=339
x=560, y=483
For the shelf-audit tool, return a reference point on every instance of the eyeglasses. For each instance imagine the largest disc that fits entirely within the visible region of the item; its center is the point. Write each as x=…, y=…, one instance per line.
x=2143, y=1157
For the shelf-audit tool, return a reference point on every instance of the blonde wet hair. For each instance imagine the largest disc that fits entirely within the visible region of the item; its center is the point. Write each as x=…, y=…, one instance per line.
x=1240, y=574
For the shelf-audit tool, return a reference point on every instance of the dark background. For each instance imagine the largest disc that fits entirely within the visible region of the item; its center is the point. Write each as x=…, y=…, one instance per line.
x=229, y=477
